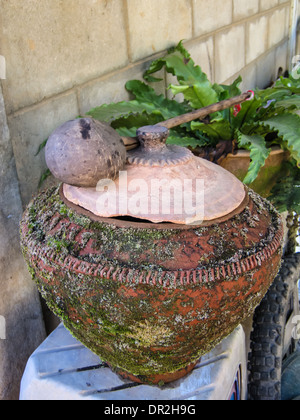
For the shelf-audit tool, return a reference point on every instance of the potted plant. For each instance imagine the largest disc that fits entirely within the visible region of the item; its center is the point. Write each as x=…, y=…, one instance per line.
x=254, y=138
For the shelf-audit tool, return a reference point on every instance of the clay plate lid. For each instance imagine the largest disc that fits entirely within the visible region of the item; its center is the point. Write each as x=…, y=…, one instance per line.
x=163, y=184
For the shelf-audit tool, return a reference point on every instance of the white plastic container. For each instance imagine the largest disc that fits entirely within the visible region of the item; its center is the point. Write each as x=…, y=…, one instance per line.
x=63, y=369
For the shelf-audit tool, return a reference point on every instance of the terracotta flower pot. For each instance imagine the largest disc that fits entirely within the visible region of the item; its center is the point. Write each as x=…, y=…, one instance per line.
x=272, y=171
x=150, y=299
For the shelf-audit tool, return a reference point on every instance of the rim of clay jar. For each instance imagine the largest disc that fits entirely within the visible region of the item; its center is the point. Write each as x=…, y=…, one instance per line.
x=241, y=153
x=141, y=224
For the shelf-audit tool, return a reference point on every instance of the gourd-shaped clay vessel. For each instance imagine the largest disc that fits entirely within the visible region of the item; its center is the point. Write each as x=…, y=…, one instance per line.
x=151, y=297
x=78, y=152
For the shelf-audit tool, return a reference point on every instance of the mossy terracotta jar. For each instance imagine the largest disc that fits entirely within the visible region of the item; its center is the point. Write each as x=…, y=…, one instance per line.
x=150, y=298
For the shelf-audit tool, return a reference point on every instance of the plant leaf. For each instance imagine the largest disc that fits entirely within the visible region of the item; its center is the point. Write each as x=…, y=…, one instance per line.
x=288, y=127
x=190, y=141
x=41, y=147
x=148, y=108
x=229, y=91
x=178, y=62
x=292, y=102
x=196, y=87
x=273, y=93
x=217, y=130
x=137, y=120
x=146, y=94
x=44, y=176
x=111, y=112
x=199, y=95
x=258, y=154
x=248, y=113
x=127, y=132
x=288, y=83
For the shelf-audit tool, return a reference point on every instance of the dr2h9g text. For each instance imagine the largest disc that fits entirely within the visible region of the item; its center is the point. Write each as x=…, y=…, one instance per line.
x=171, y=409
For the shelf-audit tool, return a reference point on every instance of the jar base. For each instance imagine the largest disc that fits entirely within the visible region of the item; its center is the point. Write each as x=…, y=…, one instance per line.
x=156, y=379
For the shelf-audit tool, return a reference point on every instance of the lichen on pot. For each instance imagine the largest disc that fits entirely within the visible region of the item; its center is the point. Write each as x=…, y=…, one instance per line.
x=150, y=299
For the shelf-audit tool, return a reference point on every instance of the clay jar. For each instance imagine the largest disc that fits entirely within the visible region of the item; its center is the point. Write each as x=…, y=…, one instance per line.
x=150, y=298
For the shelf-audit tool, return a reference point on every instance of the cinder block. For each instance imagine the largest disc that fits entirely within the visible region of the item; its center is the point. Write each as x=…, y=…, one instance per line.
x=29, y=128
x=155, y=25
x=278, y=26
x=244, y=8
x=248, y=74
x=267, y=4
x=282, y=57
x=52, y=45
x=257, y=39
x=211, y=15
x=105, y=90
x=111, y=88
x=203, y=55
x=230, y=52
x=249, y=78
x=266, y=71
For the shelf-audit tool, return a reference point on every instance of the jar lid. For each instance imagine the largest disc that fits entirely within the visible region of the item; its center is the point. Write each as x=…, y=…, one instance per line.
x=163, y=184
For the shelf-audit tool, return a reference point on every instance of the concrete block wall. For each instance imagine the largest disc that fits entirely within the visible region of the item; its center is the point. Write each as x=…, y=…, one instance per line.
x=64, y=57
